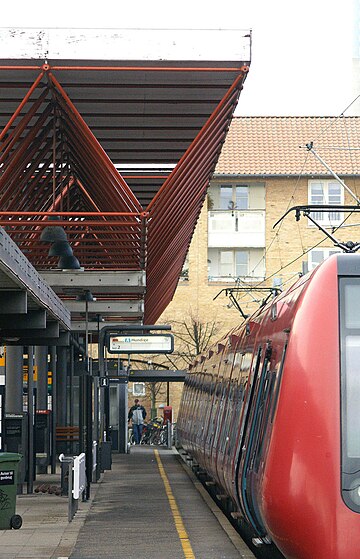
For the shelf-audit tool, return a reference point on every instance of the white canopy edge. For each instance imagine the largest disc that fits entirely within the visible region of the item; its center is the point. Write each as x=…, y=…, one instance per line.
x=125, y=44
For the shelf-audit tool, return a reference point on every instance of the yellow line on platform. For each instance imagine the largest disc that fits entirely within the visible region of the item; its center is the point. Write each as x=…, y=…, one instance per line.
x=184, y=538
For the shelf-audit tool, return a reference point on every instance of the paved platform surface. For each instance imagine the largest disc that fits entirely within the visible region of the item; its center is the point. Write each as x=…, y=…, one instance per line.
x=46, y=532
x=146, y=506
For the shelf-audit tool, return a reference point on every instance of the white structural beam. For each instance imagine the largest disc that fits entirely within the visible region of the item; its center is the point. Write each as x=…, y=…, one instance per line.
x=19, y=279
x=126, y=44
x=76, y=282
x=93, y=325
x=110, y=308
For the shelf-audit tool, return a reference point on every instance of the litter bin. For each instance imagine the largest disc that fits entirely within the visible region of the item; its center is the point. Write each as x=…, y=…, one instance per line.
x=9, y=462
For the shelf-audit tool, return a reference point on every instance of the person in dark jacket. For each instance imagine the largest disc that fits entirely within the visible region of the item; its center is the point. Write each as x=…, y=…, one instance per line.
x=137, y=414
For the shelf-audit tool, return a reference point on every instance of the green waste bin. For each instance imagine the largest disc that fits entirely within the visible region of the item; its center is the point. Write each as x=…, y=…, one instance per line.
x=9, y=462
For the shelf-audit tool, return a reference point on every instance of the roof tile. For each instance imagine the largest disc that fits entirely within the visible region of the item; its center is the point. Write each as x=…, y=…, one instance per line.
x=268, y=145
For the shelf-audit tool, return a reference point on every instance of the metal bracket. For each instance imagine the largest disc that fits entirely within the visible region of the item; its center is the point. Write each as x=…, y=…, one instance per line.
x=349, y=246
x=229, y=292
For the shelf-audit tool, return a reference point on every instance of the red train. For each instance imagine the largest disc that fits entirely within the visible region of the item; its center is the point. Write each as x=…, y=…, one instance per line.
x=272, y=414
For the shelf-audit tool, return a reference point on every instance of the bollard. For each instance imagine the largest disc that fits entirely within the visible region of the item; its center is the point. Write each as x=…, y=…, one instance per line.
x=169, y=434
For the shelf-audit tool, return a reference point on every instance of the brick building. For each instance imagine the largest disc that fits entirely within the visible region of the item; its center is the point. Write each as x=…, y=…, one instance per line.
x=264, y=169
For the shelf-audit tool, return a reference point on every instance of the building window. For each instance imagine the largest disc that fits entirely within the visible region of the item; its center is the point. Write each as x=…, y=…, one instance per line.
x=139, y=388
x=318, y=255
x=326, y=193
x=184, y=274
x=234, y=197
x=241, y=263
x=226, y=263
x=225, y=197
x=241, y=198
x=234, y=263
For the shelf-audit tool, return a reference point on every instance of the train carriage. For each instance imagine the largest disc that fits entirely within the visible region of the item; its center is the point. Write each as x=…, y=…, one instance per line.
x=272, y=414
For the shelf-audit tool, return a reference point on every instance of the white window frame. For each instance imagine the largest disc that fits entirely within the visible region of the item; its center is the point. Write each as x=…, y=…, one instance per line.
x=246, y=254
x=332, y=218
x=246, y=198
x=228, y=187
x=139, y=389
x=184, y=274
x=326, y=252
x=223, y=254
x=233, y=253
x=232, y=202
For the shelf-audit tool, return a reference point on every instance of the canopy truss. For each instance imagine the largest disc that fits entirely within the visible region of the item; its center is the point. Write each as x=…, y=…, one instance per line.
x=121, y=152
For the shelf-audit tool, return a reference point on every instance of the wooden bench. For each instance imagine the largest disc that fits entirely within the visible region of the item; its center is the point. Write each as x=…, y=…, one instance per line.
x=67, y=434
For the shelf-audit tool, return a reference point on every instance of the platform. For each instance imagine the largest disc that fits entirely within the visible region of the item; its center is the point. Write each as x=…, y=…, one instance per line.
x=148, y=505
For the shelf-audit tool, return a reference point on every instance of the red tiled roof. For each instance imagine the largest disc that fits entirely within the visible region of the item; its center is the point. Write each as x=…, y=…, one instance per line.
x=258, y=146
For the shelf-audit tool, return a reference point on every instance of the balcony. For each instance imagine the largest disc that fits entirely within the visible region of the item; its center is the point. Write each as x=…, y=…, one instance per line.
x=227, y=228
x=234, y=280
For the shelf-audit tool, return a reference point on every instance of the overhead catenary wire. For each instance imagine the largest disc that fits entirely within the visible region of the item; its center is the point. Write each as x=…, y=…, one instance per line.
x=276, y=237
x=310, y=147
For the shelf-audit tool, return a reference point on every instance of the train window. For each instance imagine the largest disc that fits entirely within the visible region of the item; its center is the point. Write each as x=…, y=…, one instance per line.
x=352, y=395
x=352, y=306
x=266, y=405
x=350, y=389
x=278, y=384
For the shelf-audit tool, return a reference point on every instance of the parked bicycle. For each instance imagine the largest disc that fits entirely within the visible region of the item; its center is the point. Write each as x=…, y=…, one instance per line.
x=152, y=432
x=155, y=432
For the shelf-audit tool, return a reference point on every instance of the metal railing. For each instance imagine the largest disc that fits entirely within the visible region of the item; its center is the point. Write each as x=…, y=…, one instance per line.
x=76, y=480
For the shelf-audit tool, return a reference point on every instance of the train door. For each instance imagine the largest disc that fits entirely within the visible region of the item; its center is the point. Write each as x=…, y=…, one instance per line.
x=248, y=468
x=222, y=433
x=243, y=392
x=196, y=418
x=212, y=407
x=206, y=411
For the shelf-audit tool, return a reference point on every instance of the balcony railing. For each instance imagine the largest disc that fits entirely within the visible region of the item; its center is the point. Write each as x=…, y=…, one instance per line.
x=234, y=280
x=236, y=228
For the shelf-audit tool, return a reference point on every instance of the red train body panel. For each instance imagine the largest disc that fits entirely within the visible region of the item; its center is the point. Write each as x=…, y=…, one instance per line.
x=272, y=413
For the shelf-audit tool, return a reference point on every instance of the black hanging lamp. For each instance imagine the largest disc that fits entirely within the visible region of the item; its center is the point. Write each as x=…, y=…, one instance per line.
x=69, y=263
x=53, y=233
x=60, y=248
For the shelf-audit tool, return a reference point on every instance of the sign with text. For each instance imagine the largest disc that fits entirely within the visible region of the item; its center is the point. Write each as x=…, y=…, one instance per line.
x=141, y=343
x=7, y=477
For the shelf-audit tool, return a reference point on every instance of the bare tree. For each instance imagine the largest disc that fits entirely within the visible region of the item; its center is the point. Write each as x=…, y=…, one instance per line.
x=192, y=336
x=154, y=390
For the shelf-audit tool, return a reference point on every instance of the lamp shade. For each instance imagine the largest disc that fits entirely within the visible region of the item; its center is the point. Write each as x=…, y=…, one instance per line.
x=60, y=248
x=86, y=296
x=69, y=263
x=53, y=234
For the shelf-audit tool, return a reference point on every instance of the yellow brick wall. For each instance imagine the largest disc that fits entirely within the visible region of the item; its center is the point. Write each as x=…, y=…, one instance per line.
x=286, y=247
x=288, y=243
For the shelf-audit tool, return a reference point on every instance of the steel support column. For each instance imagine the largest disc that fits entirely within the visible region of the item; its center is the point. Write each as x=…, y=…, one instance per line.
x=31, y=423
x=14, y=379
x=41, y=366
x=61, y=383
x=53, y=368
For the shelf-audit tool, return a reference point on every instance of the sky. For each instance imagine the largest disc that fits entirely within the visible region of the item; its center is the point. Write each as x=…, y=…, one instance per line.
x=301, y=56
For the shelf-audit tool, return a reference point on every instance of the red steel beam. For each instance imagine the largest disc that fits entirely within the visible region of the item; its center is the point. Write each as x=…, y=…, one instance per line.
x=46, y=67
x=91, y=168
x=19, y=129
x=24, y=101
x=203, y=131
x=130, y=200
x=190, y=183
x=198, y=156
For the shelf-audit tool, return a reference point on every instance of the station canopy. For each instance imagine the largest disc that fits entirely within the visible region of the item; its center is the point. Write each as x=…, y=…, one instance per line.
x=113, y=135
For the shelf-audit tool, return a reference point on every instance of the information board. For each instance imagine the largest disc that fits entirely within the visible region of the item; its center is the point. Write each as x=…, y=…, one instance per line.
x=141, y=343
